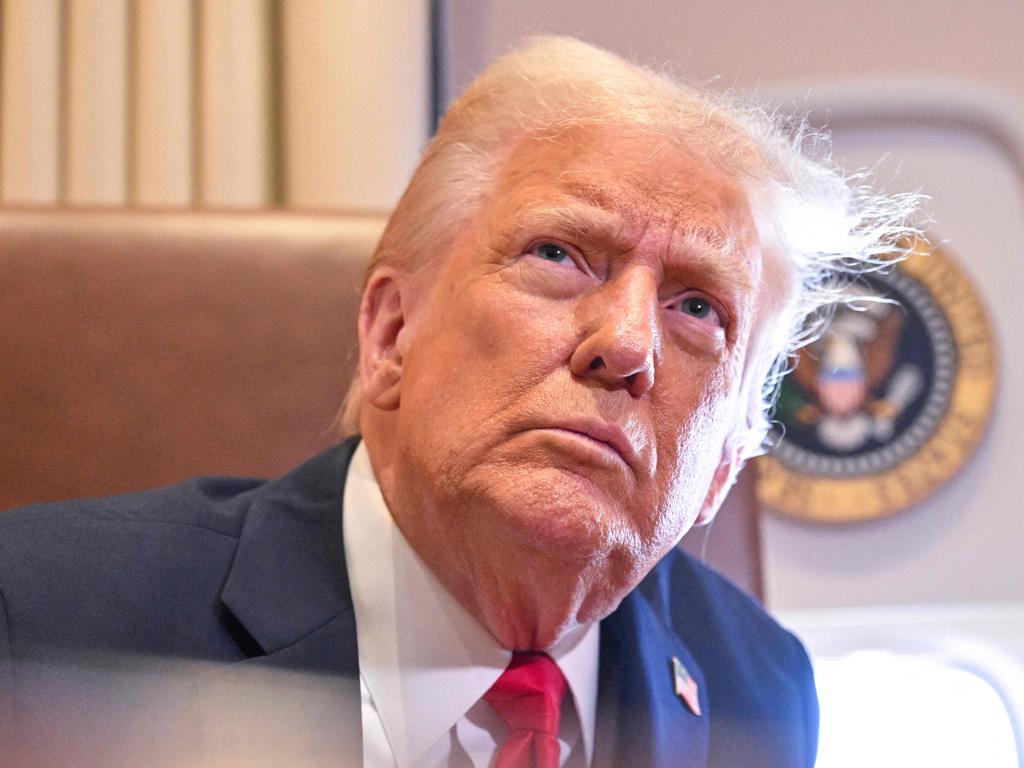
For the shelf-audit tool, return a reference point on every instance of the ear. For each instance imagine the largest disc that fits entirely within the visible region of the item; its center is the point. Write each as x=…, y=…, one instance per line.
x=381, y=320
x=721, y=483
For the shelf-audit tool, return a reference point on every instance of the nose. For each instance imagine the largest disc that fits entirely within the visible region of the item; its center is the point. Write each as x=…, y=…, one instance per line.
x=622, y=338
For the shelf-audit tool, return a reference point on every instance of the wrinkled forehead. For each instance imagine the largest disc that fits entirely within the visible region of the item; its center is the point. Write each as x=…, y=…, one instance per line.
x=642, y=179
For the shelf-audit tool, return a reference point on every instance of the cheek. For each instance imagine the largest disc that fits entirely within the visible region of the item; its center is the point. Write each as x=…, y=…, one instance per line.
x=690, y=453
x=476, y=355
x=512, y=340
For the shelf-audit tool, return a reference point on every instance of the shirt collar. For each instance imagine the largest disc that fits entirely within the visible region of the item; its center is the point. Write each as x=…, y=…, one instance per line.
x=415, y=640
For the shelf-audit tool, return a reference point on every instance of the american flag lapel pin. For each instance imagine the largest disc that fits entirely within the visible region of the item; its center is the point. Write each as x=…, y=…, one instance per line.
x=686, y=686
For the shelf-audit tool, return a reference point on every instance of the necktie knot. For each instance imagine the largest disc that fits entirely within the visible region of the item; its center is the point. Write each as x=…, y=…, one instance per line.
x=528, y=698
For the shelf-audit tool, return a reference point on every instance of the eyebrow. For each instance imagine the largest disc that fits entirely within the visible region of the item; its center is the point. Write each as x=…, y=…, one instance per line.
x=716, y=255
x=578, y=219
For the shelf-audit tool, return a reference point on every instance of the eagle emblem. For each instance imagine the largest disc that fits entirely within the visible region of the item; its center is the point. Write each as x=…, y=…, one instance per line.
x=853, y=386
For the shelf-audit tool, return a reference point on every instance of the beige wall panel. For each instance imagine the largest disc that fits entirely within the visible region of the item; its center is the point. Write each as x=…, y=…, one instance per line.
x=30, y=106
x=234, y=147
x=749, y=43
x=162, y=103
x=97, y=72
x=356, y=90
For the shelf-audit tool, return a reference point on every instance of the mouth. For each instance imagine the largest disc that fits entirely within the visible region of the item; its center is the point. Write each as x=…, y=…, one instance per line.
x=600, y=437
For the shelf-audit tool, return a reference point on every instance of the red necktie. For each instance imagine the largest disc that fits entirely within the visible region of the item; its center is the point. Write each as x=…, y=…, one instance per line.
x=528, y=697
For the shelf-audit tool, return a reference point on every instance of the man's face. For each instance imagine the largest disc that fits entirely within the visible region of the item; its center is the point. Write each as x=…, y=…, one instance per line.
x=571, y=373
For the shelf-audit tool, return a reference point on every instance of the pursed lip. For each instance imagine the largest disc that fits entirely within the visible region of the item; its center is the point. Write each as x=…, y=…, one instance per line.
x=610, y=435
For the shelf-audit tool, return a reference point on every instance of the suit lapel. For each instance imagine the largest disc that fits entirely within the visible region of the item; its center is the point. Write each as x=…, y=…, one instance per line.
x=641, y=720
x=296, y=701
x=289, y=577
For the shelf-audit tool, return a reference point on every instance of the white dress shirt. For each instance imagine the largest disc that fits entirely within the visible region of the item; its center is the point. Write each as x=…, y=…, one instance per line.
x=425, y=662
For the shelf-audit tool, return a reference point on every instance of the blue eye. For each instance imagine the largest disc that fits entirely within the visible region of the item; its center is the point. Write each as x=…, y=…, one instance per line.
x=696, y=306
x=699, y=308
x=550, y=252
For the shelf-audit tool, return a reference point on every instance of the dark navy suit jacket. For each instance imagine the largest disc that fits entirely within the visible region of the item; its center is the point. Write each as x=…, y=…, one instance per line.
x=213, y=618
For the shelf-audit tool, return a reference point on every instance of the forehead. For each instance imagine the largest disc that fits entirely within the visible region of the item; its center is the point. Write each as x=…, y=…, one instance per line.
x=627, y=178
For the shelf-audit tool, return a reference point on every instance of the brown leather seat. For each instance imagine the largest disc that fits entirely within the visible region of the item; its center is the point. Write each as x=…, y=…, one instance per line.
x=140, y=348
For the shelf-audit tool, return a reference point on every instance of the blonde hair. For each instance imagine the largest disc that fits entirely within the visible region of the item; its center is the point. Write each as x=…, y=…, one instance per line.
x=830, y=225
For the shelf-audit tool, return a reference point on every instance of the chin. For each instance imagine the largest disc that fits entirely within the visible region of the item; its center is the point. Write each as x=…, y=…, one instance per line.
x=560, y=513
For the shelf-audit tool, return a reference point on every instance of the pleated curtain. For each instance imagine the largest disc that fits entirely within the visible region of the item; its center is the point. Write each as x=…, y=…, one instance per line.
x=318, y=104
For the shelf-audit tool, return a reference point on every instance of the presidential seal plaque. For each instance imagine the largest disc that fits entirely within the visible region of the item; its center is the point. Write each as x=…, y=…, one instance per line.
x=889, y=402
